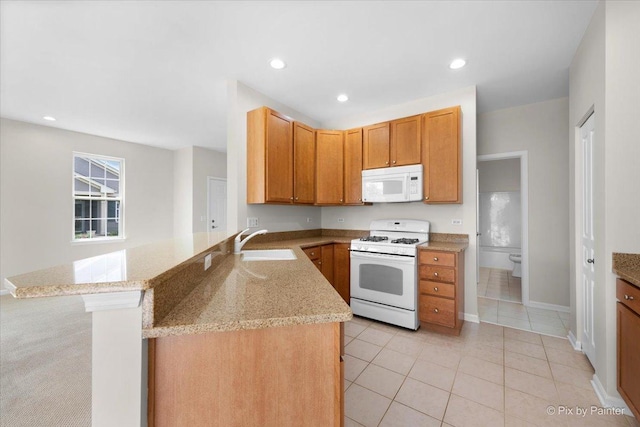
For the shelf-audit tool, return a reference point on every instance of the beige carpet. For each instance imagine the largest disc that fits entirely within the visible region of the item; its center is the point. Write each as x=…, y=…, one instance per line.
x=45, y=362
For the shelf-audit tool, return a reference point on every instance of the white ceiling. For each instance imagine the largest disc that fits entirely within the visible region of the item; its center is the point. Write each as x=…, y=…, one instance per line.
x=154, y=72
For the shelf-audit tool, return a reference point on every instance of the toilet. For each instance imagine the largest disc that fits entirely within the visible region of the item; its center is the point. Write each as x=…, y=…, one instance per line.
x=517, y=264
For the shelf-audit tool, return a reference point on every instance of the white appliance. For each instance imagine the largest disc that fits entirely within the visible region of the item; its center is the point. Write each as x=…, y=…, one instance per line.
x=384, y=272
x=392, y=185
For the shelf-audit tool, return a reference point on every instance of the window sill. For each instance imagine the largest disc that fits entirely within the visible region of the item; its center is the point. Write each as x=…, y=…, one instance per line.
x=98, y=240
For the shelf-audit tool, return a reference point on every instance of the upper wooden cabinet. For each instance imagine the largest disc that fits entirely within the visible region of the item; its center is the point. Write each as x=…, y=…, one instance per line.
x=375, y=146
x=269, y=157
x=329, y=167
x=353, y=167
x=405, y=141
x=280, y=159
x=304, y=166
x=442, y=156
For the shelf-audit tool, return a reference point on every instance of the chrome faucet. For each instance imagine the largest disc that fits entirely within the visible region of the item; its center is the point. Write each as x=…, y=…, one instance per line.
x=237, y=244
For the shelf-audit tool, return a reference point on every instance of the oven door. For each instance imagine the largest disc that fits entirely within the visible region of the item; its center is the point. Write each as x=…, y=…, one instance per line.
x=385, y=279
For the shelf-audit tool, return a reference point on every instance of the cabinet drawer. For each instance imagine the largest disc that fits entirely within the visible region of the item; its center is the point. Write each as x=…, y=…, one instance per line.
x=318, y=263
x=313, y=252
x=628, y=294
x=437, y=273
x=438, y=289
x=437, y=310
x=448, y=259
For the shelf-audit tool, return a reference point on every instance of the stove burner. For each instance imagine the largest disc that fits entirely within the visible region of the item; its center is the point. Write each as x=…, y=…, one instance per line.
x=406, y=241
x=374, y=238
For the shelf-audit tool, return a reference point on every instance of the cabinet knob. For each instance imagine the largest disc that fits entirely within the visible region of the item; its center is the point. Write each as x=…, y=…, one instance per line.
x=319, y=262
x=359, y=200
x=340, y=200
x=313, y=253
x=394, y=162
x=435, y=274
x=386, y=163
x=290, y=198
x=435, y=258
x=435, y=310
x=628, y=297
x=426, y=198
x=296, y=198
x=435, y=289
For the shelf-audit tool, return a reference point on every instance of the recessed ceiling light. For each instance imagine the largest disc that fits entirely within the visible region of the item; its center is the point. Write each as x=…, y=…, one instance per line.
x=49, y=118
x=343, y=98
x=457, y=63
x=278, y=64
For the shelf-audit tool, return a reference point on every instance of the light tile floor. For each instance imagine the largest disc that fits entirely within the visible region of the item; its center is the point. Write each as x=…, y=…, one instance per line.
x=499, y=284
x=489, y=376
x=499, y=302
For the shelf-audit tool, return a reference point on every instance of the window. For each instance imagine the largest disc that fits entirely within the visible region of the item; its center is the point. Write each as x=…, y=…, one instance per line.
x=98, y=197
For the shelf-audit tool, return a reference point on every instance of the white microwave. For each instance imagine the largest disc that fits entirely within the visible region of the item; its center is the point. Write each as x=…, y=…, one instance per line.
x=392, y=185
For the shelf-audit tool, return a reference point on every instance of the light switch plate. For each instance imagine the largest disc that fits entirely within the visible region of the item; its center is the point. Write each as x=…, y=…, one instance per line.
x=340, y=219
x=456, y=222
x=207, y=262
x=252, y=222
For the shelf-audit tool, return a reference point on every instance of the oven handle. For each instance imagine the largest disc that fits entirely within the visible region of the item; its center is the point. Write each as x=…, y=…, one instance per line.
x=384, y=257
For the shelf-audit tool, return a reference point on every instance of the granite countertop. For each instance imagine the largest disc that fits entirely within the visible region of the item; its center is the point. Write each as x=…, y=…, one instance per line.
x=125, y=270
x=627, y=266
x=256, y=294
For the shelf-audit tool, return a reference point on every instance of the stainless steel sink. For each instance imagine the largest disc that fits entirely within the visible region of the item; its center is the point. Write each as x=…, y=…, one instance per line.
x=268, y=255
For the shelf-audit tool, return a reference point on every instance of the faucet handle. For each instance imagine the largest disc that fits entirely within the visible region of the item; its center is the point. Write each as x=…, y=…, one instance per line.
x=239, y=236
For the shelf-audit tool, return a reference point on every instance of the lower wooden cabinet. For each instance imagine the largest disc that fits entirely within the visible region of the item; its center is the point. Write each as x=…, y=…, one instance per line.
x=284, y=376
x=441, y=290
x=333, y=260
x=628, y=344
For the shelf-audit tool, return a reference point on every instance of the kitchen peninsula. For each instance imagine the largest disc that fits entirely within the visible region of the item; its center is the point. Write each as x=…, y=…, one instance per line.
x=262, y=339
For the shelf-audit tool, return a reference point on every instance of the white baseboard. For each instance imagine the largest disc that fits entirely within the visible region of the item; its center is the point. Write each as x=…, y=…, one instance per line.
x=546, y=306
x=577, y=345
x=607, y=400
x=471, y=318
x=3, y=292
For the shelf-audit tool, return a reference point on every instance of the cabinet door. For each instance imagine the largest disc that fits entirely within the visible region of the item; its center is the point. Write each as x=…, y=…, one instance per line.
x=628, y=357
x=353, y=167
x=442, y=156
x=405, y=141
x=375, y=146
x=329, y=167
x=304, y=170
x=279, y=158
x=327, y=262
x=342, y=270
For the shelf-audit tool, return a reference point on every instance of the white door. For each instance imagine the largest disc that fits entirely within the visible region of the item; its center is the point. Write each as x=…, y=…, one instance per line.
x=587, y=240
x=217, y=212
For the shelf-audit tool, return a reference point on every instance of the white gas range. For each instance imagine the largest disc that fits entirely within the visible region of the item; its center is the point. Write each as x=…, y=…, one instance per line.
x=384, y=276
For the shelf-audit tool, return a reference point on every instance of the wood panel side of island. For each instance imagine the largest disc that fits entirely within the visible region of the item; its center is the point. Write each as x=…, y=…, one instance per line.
x=278, y=376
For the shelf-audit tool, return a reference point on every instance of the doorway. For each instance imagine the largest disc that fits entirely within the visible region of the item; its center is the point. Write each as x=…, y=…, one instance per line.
x=216, y=204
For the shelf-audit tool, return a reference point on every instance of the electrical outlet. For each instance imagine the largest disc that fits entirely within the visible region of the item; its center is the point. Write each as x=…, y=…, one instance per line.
x=456, y=222
x=340, y=219
x=252, y=222
x=309, y=220
x=207, y=262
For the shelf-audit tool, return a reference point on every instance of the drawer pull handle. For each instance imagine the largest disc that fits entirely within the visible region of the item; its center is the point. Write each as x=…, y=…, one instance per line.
x=435, y=289
x=435, y=258
x=435, y=274
x=435, y=310
x=628, y=297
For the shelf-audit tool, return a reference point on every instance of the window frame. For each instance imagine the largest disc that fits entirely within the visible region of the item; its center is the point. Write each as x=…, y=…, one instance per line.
x=120, y=208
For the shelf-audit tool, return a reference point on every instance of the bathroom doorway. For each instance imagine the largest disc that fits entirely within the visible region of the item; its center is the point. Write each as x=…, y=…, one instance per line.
x=502, y=229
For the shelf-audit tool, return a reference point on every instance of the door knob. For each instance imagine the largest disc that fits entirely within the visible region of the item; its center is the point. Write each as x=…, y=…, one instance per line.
x=591, y=261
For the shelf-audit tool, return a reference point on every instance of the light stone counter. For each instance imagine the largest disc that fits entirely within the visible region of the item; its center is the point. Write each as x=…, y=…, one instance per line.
x=627, y=266
x=125, y=270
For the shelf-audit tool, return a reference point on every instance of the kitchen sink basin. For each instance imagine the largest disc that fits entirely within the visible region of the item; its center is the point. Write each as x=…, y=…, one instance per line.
x=268, y=255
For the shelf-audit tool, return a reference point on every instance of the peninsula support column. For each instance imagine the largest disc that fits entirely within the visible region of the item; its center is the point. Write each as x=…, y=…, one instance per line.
x=118, y=380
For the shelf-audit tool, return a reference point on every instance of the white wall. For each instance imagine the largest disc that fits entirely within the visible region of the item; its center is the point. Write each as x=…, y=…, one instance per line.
x=603, y=79
x=183, y=191
x=36, y=205
x=243, y=99
x=541, y=130
x=499, y=175
x=206, y=163
x=359, y=217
